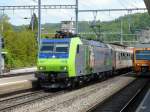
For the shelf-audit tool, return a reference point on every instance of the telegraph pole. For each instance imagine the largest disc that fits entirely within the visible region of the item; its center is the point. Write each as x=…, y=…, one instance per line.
x=0, y=55
x=121, y=32
x=76, y=11
x=39, y=22
x=2, y=27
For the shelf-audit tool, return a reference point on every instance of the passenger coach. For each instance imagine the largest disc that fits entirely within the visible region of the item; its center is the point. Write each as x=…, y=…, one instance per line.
x=122, y=57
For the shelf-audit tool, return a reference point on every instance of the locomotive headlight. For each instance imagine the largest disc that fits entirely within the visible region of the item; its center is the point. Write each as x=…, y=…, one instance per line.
x=65, y=68
x=41, y=68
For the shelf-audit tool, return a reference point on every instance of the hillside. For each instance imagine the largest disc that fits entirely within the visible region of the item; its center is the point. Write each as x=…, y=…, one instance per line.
x=110, y=30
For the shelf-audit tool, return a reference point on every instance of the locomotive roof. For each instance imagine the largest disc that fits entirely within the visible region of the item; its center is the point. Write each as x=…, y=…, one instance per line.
x=56, y=40
x=121, y=48
x=94, y=43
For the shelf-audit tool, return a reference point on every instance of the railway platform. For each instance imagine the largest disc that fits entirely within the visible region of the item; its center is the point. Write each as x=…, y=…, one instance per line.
x=20, y=71
x=17, y=83
x=144, y=105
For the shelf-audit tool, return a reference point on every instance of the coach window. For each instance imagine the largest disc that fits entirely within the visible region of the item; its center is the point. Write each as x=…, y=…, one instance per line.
x=130, y=55
x=122, y=56
x=77, y=49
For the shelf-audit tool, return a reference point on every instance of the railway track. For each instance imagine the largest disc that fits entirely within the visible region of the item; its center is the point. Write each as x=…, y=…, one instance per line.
x=36, y=98
x=14, y=101
x=7, y=104
x=126, y=100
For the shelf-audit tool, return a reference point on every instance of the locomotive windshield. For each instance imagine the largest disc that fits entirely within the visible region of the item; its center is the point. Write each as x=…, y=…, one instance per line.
x=49, y=48
x=62, y=48
x=143, y=54
x=55, y=48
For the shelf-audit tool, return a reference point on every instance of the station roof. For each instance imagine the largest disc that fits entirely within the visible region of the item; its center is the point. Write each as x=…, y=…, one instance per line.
x=147, y=3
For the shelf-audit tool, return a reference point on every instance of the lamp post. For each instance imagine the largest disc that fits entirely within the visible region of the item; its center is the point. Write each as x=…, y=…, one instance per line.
x=76, y=11
x=121, y=32
x=0, y=55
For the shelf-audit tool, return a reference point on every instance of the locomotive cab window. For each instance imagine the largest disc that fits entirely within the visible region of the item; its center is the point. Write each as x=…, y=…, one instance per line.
x=48, y=48
x=142, y=54
x=62, y=48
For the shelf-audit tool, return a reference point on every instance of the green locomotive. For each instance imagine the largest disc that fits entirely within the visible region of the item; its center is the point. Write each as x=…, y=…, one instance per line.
x=65, y=62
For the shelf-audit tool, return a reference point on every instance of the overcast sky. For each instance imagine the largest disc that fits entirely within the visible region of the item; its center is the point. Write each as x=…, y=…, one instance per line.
x=53, y=16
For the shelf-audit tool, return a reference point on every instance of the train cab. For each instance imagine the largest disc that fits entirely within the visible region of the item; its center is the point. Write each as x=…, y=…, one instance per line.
x=141, y=60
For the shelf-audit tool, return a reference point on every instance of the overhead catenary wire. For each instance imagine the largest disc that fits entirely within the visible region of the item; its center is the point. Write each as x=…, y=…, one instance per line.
x=130, y=3
x=121, y=3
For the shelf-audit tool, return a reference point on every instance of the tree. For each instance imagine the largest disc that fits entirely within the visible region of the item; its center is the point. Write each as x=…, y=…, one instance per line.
x=21, y=47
